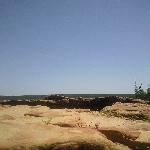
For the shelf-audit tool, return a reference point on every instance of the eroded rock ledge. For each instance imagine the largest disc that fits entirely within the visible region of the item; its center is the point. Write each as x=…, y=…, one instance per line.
x=36, y=125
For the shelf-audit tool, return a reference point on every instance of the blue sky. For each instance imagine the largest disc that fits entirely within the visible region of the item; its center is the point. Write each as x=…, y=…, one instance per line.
x=74, y=46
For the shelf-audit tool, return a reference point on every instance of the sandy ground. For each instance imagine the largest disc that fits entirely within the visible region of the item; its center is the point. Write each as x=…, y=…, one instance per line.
x=39, y=127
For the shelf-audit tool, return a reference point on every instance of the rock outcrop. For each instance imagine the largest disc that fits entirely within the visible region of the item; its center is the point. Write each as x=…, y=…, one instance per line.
x=24, y=127
x=129, y=110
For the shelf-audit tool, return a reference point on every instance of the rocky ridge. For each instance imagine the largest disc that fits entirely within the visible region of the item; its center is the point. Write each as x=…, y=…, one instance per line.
x=31, y=126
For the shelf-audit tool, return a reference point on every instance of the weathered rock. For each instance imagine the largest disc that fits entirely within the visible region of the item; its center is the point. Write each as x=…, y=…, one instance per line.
x=129, y=110
x=34, y=136
x=124, y=136
x=48, y=129
x=119, y=134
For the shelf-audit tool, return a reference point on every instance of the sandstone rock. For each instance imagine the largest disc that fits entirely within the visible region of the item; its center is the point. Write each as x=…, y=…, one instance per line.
x=130, y=110
x=119, y=134
x=124, y=136
x=54, y=129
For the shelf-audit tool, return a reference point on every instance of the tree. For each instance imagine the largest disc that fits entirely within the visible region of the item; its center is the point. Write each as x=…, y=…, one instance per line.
x=148, y=94
x=139, y=92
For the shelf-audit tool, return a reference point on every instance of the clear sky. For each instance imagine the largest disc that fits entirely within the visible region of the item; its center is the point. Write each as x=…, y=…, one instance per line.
x=74, y=46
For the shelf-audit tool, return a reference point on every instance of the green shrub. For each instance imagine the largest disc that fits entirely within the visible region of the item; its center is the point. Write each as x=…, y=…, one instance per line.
x=140, y=93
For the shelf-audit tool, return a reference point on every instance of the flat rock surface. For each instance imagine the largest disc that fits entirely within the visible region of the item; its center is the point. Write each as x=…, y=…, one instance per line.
x=24, y=127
